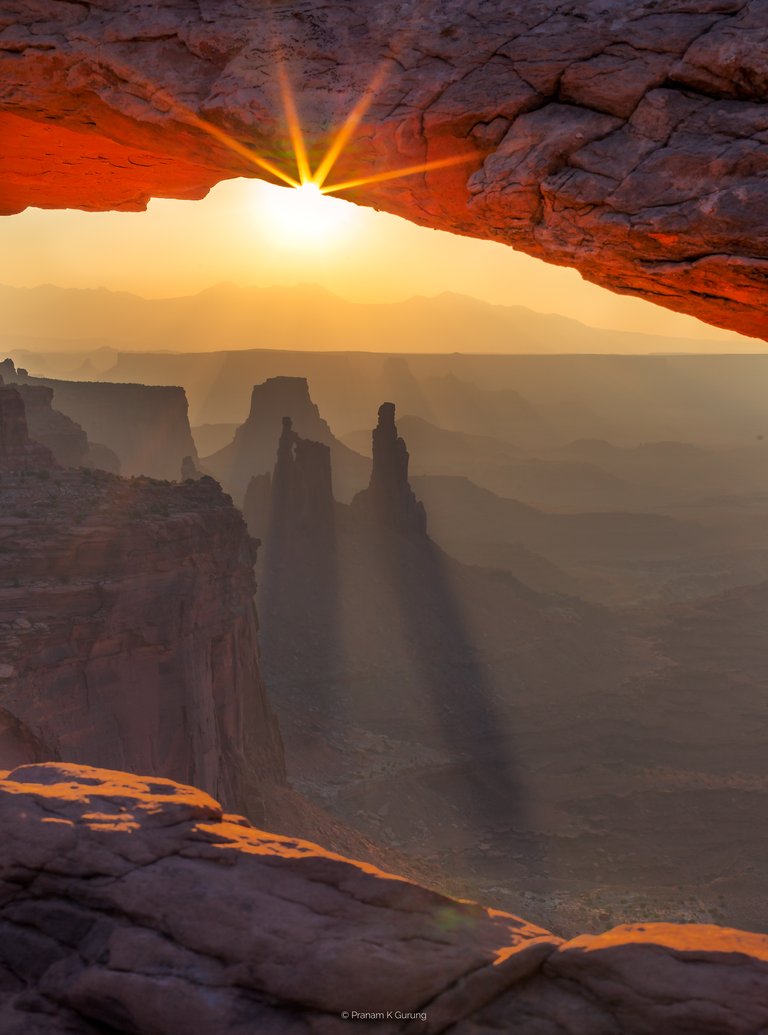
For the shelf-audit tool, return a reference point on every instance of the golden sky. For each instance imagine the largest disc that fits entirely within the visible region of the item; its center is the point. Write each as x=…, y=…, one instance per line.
x=252, y=233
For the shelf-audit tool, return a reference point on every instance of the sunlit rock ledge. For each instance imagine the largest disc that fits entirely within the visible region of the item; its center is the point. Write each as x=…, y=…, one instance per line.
x=134, y=904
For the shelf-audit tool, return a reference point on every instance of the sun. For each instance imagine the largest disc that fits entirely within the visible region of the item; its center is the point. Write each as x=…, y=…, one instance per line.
x=302, y=217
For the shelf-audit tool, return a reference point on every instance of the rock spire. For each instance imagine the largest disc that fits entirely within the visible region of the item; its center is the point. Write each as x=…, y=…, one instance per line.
x=389, y=501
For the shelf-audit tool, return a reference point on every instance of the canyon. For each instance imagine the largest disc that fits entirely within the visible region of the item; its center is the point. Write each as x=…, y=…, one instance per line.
x=626, y=143
x=467, y=695
x=528, y=402
x=396, y=674
x=404, y=711
x=523, y=746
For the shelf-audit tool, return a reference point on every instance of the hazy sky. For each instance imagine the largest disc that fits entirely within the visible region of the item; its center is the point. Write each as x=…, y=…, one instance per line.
x=249, y=232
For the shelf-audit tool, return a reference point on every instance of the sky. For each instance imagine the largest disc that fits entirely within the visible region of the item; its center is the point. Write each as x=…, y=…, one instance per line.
x=252, y=233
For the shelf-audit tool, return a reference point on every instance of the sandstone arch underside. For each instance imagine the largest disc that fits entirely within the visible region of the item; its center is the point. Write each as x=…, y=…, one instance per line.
x=626, y=140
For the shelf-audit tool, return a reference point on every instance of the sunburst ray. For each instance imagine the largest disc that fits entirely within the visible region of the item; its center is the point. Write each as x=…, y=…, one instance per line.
x=339, y=141
x=396, y=174
x=350, y=124
x=294, y=127
x=221, y=135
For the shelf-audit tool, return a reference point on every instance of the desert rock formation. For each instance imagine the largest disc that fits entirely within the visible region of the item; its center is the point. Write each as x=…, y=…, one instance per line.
x=628, y=142
x=389, y=501
x=64, y=437
x=302, y=495
x=145, y=426
x=128, y=632
x=99, y=870
x=255, y=444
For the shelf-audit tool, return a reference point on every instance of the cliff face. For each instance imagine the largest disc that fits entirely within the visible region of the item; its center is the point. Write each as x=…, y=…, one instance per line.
x=66, y=439
x=624, y=140
x=129, y=905
x=18, y=452
x=128, y=633
x=145, y=426
x=63, y=436
x=255, y=444
x=302, y=497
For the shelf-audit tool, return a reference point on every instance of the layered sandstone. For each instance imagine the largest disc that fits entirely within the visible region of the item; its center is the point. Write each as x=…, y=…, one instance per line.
x=128, y=634
x=625, y=140
x=145, y=427
x=133, y=904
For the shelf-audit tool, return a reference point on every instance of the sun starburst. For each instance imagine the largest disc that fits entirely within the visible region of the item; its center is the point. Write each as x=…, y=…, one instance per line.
x=305, y=175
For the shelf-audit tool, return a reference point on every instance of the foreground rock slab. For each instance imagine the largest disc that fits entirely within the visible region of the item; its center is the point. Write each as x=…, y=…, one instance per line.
x=627, y=140
x=133, y=904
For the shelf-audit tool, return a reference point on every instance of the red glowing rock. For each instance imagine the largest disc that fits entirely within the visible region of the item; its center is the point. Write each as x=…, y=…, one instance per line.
x=627, y=141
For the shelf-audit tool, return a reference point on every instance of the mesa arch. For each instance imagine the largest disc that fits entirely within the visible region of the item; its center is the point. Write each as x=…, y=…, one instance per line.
x=626, y=140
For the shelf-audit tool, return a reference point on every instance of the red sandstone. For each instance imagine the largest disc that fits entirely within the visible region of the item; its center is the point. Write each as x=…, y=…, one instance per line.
x=628, y=142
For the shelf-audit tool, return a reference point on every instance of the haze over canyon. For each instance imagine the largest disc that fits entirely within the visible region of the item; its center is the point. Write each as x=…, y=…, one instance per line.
x=325, y=615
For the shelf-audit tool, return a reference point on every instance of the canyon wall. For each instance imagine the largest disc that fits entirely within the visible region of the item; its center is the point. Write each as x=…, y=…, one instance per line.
x=135, y=904
x=302, y=505
x=18, y=452
x=627, y=141
x=128, y=634
x=63, y=436
x=145, y=426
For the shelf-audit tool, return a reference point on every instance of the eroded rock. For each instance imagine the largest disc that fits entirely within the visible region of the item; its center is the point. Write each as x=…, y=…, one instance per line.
x=140, y=429
x=132, y=903
x=627, y=141
x=389, y=502
x=252, y=453
x=302, y=496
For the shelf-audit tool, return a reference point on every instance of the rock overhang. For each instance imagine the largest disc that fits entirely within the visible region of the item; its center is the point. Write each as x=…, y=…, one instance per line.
x=629, y=143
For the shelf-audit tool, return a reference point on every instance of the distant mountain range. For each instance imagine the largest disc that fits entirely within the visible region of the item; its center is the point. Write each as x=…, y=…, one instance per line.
x=309, y=318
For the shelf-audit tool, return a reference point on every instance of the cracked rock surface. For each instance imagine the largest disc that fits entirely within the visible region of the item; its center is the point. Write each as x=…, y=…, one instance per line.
x=133, y=904
x=627, y=140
